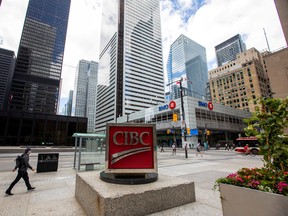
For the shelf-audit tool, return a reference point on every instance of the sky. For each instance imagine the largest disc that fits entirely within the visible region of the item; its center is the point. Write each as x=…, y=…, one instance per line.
x=207, y=22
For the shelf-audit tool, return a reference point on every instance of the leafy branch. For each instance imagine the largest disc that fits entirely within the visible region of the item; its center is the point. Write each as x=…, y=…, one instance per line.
x=268, y=123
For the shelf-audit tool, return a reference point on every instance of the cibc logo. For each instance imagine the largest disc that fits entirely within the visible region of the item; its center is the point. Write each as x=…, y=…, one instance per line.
x=130, y=146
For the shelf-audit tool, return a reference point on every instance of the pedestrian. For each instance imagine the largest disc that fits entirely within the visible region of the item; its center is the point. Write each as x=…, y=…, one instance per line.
x=226, y=146
x=173, y=149
x=229, y=147
x=162, y=149
x=22, y=172
x=199, y=149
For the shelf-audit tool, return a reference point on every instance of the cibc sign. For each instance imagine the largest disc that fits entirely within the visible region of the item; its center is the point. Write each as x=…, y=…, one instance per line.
x=131, y=148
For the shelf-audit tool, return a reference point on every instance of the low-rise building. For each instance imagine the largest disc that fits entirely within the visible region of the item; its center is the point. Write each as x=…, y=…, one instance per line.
x=204, y=121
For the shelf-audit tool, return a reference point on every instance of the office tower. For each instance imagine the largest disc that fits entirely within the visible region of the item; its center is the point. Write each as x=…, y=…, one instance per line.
x=67, y=109
x=237, y=83
x=7, y=62
x=187, y=60
x=85, y=91
x=36, y=80
x=282, y=9
x=130, y=74
x=227, y=50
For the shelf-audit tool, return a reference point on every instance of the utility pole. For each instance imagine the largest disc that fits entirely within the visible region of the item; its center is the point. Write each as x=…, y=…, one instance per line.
x=183, y=118
x=183, y=114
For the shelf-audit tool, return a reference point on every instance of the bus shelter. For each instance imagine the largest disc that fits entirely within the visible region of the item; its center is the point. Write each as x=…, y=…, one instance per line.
x=89, y=150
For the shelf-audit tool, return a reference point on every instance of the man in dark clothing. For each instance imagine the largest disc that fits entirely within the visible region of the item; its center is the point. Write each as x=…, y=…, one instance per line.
x=22, y=172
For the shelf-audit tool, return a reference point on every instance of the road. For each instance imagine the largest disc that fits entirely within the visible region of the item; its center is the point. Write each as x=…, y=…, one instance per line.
x=66, y=159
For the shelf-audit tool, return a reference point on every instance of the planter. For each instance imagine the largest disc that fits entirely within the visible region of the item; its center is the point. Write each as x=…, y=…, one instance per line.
x=239, y=201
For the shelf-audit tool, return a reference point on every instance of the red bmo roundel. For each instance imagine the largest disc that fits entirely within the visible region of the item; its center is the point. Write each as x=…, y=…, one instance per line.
x=210, y=105
x=130, y=147
x=172, y=104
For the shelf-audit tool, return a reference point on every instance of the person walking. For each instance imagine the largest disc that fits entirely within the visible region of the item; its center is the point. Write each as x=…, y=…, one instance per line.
x=162, y=148
x=22, y=172
x=173, y=149
x=199, y=150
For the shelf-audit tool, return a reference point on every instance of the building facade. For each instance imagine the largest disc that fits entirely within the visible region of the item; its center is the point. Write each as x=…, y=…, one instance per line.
x=227, y=50
x=276, y=67
x=187, y=61
x=237, y=83
x=36, y=129
x=282, y=9
x=225, y=124
x=7, y=62
x=85, y=91
x=130, y=63
x=37, y=74
x=67, y=109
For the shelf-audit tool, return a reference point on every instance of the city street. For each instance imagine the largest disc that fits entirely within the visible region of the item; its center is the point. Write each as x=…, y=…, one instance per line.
x=55, y=190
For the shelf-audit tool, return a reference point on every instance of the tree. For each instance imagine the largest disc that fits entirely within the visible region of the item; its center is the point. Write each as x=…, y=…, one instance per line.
x=268, y=123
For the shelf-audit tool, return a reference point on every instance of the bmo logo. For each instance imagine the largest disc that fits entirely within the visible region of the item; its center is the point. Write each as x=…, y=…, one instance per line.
x=172, y=105
x=164, y=107
x=131, y=148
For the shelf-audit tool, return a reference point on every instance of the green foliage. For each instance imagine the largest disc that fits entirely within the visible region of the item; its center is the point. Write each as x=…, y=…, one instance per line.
x=268, y=123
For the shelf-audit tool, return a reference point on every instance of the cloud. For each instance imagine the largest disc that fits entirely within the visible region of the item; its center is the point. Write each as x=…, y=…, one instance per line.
x=82, y=40
x=218, y=20
x=207, y=22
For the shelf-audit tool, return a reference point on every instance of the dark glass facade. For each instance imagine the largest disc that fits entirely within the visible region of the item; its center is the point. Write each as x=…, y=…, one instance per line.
x=7, y=62
x=227, y=50
x=36, y=80
x=35, y=129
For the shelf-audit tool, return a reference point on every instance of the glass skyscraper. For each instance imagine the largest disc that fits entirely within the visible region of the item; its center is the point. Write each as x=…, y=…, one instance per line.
x=37, y=74
x=187, y=61
x=227, y=50
x=7, y=62
x=85, y=92
x=130, y=74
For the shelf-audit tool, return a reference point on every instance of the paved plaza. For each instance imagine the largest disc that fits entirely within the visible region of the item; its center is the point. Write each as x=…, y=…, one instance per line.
x=54, y=194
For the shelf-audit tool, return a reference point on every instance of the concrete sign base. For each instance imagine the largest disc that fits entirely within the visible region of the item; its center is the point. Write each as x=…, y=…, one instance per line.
x=97, y=197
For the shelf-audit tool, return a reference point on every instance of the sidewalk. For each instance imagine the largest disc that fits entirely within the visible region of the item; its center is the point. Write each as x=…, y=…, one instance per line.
x=54, y=194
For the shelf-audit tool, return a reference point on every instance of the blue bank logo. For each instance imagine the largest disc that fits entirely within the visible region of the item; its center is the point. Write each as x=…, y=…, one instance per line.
x=164, y=107
x=202, y=104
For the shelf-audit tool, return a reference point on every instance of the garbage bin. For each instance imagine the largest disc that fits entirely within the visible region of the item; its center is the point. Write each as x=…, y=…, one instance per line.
x=47, y=162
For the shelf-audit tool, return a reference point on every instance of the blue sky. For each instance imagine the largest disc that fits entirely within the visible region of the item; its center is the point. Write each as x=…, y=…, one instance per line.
x=207, y=22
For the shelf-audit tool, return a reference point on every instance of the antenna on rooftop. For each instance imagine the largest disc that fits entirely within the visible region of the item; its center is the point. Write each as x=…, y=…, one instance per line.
x=266, y=39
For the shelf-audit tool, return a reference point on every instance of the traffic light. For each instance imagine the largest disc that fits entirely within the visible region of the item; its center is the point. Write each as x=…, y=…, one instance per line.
x=208, y=132
x=188, y=131
x=175, y=117
x=168, y=131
